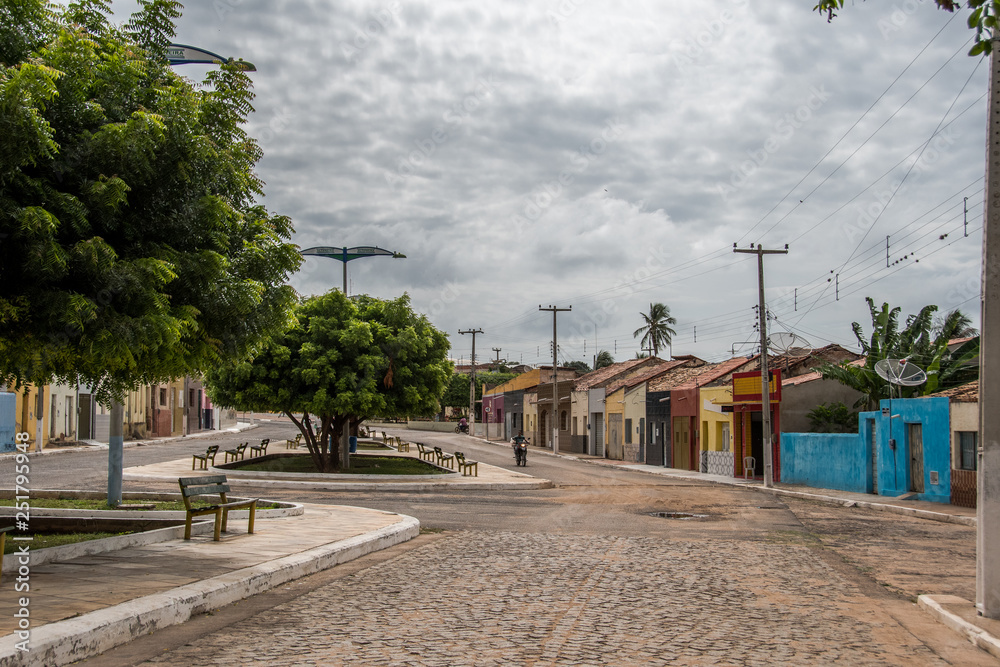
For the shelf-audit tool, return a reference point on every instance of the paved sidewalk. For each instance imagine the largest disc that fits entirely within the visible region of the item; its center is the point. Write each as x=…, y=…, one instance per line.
x=87, y=605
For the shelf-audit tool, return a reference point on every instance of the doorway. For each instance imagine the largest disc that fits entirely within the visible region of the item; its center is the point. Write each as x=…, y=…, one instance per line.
x=916, y=438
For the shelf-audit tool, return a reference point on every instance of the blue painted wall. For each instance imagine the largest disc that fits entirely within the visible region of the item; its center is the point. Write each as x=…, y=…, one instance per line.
x=826, y=460
x=844, y=461
x=894, y=464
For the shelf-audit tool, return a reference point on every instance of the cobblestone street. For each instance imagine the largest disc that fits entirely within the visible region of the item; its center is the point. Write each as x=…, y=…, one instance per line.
x=476, y=598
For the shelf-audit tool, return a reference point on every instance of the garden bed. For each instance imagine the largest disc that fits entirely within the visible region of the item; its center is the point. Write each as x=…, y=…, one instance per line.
x=360, y=465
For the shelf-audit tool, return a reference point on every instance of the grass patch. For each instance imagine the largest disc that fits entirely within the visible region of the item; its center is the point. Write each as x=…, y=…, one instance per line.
x=45, y=540
x=360, y=465
x=95, y=504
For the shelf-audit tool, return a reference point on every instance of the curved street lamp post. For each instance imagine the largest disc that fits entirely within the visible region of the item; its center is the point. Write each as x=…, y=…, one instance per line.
x=345, y=255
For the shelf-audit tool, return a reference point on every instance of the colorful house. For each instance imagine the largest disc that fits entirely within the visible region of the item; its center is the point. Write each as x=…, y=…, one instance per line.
x=588, y=400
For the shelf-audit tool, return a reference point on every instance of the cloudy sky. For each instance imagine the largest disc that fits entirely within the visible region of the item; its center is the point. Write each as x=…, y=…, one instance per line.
x=605, y=155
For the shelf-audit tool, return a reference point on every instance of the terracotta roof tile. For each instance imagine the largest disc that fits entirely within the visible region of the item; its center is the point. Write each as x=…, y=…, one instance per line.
x=966, y=393
x=602, y=376
x=640, y=376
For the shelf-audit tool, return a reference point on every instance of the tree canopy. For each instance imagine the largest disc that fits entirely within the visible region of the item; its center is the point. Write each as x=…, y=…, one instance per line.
x=344, y=360
x=132, y=240
x=915, y=341
x=603, y=359
x=983, y=18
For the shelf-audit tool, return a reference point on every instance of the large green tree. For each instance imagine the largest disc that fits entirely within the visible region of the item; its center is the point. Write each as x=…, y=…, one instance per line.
x=133, y=246
x=603, y=359
x=343, y=361
x=656, y=332
x=915, y=341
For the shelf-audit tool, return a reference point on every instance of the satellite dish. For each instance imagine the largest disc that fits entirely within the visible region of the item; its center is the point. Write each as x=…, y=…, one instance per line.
x=784, y=342
x=901, y=372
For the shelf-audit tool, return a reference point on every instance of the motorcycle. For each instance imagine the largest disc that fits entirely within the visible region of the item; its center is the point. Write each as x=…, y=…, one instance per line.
x=521, y=453
x=462, y=428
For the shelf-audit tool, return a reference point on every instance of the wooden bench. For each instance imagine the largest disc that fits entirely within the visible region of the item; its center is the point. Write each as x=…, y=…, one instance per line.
x=425, y=453
x=261, y=449
x=211, y=485
x=465, y=466
x=401, y=446
x=208, y=456
x=237, y=454
x=385, y=438
x=293, y=444
x=444, y=459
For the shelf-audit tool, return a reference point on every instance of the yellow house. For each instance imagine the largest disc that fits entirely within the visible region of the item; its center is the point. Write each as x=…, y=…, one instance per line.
x=635, y=423
x=716, y=431
x=531, y=417
x=614, y=418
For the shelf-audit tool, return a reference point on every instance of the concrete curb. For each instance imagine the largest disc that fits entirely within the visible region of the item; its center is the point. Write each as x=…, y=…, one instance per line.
x=979, y=637
x=88, y=635
x=318, y=485
x=881, y=507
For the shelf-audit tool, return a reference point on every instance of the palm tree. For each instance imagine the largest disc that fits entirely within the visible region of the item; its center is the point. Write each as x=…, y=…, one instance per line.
x=604, y=358
x=657, y=332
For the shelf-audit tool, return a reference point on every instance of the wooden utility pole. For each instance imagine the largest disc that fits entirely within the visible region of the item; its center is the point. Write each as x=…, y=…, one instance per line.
x=987, y=482
x=472, y=382
x=555, y=375
x=765, y=392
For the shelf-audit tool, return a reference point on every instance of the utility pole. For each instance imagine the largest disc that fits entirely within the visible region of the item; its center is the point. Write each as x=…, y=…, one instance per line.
x=472, y=383
x=987, y=490
x=555, y=375
x=765, y=393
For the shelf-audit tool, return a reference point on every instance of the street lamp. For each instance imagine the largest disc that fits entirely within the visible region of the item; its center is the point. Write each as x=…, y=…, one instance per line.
x=182, y=54
x=345, y=255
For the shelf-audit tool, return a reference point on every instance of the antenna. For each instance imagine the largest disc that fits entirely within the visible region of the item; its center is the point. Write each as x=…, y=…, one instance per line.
x=900, y=372
x=785, y=342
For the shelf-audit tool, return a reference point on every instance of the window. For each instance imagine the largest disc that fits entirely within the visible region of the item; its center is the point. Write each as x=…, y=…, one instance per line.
x=163, y=396
x=563, y=421
x=967, y=450
x=628, y=431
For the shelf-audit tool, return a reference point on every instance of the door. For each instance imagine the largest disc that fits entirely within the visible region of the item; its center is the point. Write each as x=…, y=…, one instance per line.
x=615, y=449
x=681, y=444
x=873, y=444
x=86, y=430
x=725, y=437
x=916, y=437
x=757, y=443
x=68, y=425
x=597, y=426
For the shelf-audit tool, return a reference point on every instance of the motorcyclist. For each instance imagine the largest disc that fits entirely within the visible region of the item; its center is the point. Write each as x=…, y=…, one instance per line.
x=463, y=424
x=518, y=440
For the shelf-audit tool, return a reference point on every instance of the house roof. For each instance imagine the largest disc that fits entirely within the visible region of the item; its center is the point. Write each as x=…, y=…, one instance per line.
x=966, y=393
x=718, y=371
x=638, y=377
x=801, y=379
x=602, y=376
x=686, y=376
